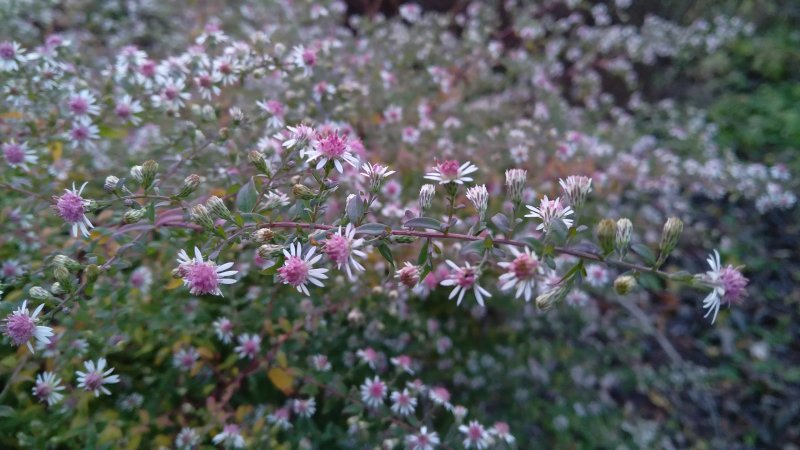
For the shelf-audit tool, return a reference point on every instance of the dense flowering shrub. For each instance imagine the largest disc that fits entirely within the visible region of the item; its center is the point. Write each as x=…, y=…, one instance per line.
x=259, y=233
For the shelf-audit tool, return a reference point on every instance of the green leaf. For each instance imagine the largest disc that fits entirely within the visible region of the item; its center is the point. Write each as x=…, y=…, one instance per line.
x=535, y=244
x=355, y=209
x=247, y=197
x=644, y=251
x=423, y=253
x=501, y=222
x=423, y=222
x=386, y=252
x=373, y=229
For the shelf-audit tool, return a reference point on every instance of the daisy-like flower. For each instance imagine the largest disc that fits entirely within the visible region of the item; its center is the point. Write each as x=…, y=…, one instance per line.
x=230, y=437
x=94, y=379
x=321, y=363
x=727, y=283
x=408, y=275
x=342, y=249
x=479, y=196
x=450, y=171
x=249, y=346
x=141, y=278
x=83, y=104
x=47, y=388
x=207, y=83
x=203, y=277
x=19, y=155
x=369, y=356
x=423, y=440
x=20, y=326
x=185, y=358
x=70, y=206
x=127, y=109
x=83, y=132
x=521, y=273
x=304, y=408
x=302, y=136
x=597, y=275
x=403, y=362
x=275, y=199
x=476, y=436
x=330, y=146
x=11, y=56
x=223, y=327
x=172, y=95
x=440, y=396
x=501, y=431
x=373, y=392
x=376, y=174
x=280, y=417
x=274, y=110
x=187, y=439
x=303, y=58
x=403, y=403
x=298, y=271
x=464, y=279
x=550, y=211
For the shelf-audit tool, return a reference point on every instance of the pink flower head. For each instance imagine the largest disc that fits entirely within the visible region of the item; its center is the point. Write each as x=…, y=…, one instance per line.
x=403, y=403
x=18, y=155
x=20, y=326
x=342, y=249
x=521, y=273
x=373, y=392
x=298, y=271
x=249, y=346
x=463, y=279
x=550, y=211
x=331, y=146
x=203, y=277
x=728, y=285
x=450, y=171
x=409, y=275
x=47, y=388
x=95, y=377
x=423, y=440
x=70, y=206
x=476, y=436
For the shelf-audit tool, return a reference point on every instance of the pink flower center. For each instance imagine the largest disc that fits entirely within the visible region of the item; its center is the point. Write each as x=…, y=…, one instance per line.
x=422, y=439
x=202, y=278
x=78, y=105
x=123, y=111
x=409, y=275
x=475, y=432
x=171, y=93
x=20, y=328
x=294, y=271
x=43, y=390
x=449, y=169
x=7, y=51
x=80, y=133
x=93, y=381
x=734, y=283
x=70, y=207
x=250, y=347
x=148, y=68
x=205, y=81
x=14, y=153
x=465, y=277
x=376, y=390
x=524, y=267
x=337, y=247
x=309, y=57
x=333, y=146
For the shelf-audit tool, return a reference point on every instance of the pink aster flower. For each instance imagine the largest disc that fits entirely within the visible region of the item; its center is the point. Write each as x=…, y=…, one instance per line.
x=280, y=417
x=187, y=439
x=298, y=271
x=403, y=362
x=304, y=407
x=342, y=249
x=127, y=109
x=408, y=275
x=597, y=275
x=440, y=396
x=373, y=392
x=203, y=277
x=727, y=283
x=82, y=133
x=321, y=363
x=369, y=356
x=423, y=440
x=223, y=327
x=230, y=436
x=70, y=206
x=185, y=358
x=11, y=56
x=550, y=211
x=376, y=174
x=249, y=346
x=47, y=388
x=19, y=155
x=464, y=279
x=94, y=378
x=450, y=171
x=521, y=273
x=82, y=104
x=403, y=403
x=331, y=146
x=476, y=436
x=20, y=326
x=302, y=137
x=501, y=431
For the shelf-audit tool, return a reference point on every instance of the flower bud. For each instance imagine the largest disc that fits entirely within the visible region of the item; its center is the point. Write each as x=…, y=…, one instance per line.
x=576, y=189
x=66, y=261
x=92, y=272
x=515, y=184
x=39, y=293
x=149, y=172
x=405, y=239
x=263, y=235
x=355, y=316
x=62, y=275
x=133, y=215
x=623, y=240
x=224, y=134
x=136, y=173
x=270, y=250
x=408, y=275
x=302, y=192
x=606, y=234
x=669, y=238
x=56, y=288
x=189, y=185
x=258, y=161
x=200, y=216
x=479, y=197
x=426, y=194
x=111, y=184
x=624, y=284
x=558, y=293
x=217, y=207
